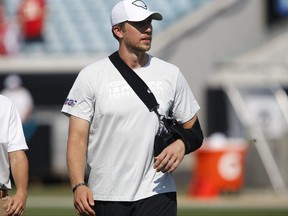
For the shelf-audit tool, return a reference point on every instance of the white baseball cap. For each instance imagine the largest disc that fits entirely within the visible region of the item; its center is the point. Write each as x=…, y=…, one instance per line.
x=132, y=10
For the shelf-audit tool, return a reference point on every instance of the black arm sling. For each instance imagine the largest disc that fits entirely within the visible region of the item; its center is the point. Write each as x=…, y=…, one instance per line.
x=173, y=130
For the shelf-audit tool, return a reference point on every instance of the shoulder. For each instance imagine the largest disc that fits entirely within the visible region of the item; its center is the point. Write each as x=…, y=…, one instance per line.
x=6, y=106
x=96, y=67
x=94, y=74
x=100, y=63
x=5, y=100
x=164, y=68
x=161, y=63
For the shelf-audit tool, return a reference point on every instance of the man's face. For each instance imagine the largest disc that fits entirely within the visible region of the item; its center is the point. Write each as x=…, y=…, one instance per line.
x=138, y=35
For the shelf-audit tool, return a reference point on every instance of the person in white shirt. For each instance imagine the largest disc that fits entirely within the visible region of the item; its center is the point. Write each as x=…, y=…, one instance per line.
x=12, y=156
x=23, y=100
x=19, y=95
x=112, y=131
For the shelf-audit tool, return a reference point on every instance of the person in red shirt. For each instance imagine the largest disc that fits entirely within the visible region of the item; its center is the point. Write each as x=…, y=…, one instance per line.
x=3, y=27
x=31, y=16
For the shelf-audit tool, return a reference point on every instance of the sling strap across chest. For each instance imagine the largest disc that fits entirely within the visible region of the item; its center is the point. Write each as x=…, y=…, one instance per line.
x=192, y=137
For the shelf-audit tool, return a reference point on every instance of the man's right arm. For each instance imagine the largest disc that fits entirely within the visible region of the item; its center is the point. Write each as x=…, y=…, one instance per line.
x=76, y=162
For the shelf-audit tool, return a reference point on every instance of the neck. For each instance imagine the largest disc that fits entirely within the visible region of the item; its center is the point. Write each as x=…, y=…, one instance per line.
x=134, y=59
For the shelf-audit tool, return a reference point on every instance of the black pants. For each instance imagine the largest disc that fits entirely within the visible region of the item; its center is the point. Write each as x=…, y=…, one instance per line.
x=157, y=205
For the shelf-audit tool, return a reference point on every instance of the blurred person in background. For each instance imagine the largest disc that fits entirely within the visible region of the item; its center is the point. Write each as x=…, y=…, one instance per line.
x=23, y=100
x=31, y=17
x=3, y=27
x=12, y=156
x=110, y=125
x=9, y=35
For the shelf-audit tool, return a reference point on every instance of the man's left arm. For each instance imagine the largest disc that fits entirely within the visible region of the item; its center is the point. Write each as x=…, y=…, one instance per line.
x=170, y=158
x=19, y=168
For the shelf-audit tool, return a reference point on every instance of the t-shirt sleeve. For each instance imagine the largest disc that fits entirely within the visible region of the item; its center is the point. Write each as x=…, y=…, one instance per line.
x=79, y=101
x=185, y=104
x=16, y=139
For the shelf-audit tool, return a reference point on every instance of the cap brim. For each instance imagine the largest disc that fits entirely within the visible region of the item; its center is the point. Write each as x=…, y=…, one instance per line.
x=153, y=15
x=156, y=16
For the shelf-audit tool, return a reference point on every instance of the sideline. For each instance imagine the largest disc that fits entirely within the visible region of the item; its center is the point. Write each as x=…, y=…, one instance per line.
x=244, y=200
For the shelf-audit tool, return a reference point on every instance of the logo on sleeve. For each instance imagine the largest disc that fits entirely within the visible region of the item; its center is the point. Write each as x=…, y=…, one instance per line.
x=70, y=102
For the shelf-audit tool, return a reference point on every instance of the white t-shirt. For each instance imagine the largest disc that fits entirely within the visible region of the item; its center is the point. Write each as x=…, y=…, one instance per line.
x=11, y=138
x=122, y=130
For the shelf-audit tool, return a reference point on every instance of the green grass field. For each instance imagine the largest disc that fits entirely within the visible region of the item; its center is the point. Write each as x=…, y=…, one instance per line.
x=50, y=212
x=58, y=200
x=181, y=212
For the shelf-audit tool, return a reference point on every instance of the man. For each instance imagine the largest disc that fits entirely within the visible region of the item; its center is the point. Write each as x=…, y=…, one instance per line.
x=113, y=131
x=12, y=155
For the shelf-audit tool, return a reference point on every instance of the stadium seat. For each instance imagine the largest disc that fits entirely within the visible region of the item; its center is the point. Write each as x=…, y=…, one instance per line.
x=83, y=27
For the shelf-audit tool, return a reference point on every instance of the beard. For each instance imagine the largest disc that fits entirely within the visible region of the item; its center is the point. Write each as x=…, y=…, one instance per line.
x=142, y=46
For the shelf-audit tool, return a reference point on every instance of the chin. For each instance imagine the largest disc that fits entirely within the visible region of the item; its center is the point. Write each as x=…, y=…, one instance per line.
x=146, y=48
x=143, y=48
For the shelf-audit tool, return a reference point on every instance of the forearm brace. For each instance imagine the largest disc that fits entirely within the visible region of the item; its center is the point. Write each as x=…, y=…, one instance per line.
x=192, y=137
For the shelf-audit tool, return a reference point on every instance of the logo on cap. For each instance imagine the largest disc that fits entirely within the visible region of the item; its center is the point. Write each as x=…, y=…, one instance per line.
x=140, y=3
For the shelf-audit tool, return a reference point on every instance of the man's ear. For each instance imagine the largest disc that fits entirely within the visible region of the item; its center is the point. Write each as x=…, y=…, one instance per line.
x=117, y=31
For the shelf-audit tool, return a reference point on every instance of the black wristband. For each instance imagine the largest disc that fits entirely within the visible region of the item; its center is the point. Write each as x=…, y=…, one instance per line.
x=78, y=185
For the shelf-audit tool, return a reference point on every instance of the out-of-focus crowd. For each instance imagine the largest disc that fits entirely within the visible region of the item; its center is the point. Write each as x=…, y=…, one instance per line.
x=24, y=27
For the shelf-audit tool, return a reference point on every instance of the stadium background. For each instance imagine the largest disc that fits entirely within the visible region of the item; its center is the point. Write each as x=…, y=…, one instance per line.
x=214, y=42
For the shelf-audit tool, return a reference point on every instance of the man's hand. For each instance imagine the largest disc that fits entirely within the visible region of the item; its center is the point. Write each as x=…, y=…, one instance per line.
x=83, y=200
x=17, y=204
x=170, y=158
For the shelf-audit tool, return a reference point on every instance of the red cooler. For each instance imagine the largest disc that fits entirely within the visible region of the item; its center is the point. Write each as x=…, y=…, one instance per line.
x=218, y=169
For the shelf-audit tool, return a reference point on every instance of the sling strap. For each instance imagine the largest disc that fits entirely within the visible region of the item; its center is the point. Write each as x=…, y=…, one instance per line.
x=136, y=83
x=192, y=137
